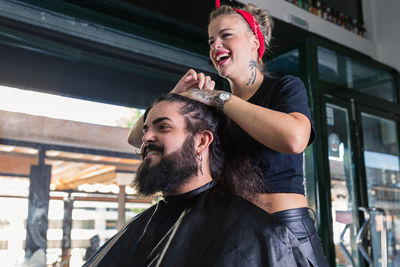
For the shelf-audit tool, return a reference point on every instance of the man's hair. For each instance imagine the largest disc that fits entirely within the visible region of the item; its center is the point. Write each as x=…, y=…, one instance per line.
x=230, y=167
x=199, y=117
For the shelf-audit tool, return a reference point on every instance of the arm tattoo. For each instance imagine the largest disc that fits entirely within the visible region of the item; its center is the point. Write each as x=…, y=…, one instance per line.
x=207, y=95
x=253, y=76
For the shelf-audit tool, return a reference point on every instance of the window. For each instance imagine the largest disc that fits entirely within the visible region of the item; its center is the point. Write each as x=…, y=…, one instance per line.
x=83, y=224
x=350, y=73
x=111, y=224
x=3, y=245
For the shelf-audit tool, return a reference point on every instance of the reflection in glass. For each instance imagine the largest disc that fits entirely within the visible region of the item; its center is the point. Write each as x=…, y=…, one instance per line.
x=84, y=142
x=352, y=74
x=287, y=63
x=342, y=186
x=381, y=156
x=13, y=227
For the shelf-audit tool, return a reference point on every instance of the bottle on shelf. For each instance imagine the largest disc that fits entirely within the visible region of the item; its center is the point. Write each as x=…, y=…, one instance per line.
x=334, y=16
x=314, y=7
x=359, y=30
x=355, y=26
x=329, y=12
x=305, y=5
x=319, y=9
x=324, y=11
x=347, y=22
x=310, y=6
x=363, y=31
x=340, y=18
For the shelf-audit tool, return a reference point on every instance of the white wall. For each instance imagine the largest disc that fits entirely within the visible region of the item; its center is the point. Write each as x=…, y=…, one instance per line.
x=388, y=31
x=382, y=19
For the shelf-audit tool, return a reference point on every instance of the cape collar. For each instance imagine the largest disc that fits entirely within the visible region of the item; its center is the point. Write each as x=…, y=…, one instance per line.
x=192, y=193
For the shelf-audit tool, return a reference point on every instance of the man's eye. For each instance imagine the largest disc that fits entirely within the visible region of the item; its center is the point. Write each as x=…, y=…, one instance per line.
x=226, y=35
x=164, y=127
x=210, y=43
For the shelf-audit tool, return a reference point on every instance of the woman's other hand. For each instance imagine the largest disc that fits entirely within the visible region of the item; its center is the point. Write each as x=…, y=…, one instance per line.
x=192, y=79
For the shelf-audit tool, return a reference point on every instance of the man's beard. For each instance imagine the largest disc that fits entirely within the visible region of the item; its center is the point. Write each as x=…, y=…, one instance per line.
x=171, y=172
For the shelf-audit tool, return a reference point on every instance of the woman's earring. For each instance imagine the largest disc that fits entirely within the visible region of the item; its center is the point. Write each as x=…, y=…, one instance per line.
x=201, y=164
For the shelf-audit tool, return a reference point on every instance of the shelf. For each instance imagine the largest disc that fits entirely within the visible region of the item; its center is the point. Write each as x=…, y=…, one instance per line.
x=286, y=11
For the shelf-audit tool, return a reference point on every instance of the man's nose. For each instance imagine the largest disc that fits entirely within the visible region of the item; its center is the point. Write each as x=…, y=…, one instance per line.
x=148, y=137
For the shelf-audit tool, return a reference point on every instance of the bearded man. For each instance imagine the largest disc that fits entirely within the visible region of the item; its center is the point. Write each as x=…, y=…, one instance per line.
x=199, y=222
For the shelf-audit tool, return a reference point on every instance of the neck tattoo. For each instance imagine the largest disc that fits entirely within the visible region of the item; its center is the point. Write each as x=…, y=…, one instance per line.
x=253, y=75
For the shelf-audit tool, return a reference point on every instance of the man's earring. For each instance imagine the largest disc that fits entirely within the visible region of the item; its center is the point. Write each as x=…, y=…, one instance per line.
x=201, y=164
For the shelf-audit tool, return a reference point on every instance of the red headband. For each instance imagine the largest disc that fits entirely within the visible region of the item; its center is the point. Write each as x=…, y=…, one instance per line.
x=251, y=20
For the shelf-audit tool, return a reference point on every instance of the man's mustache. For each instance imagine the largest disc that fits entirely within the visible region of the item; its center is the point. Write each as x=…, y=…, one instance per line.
x=146, y=148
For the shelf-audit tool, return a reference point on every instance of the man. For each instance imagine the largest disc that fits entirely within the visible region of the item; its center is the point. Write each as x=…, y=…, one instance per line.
x=94, y=246
x=198, y=223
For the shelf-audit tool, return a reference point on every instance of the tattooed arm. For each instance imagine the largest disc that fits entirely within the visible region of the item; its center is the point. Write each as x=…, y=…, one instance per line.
x=207, y=97
x=282, y=132
x=191, y=79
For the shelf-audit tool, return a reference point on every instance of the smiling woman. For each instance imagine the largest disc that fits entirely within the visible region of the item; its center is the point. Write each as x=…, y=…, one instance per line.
x=269, y=119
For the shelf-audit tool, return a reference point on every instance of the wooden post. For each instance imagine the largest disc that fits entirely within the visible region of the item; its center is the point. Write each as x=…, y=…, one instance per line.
x=121, y=207
x=67, y=226
x=38, y=208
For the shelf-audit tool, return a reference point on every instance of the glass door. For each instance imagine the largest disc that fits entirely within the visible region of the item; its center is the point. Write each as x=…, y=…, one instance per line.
x=381, y=164
x=342, y=181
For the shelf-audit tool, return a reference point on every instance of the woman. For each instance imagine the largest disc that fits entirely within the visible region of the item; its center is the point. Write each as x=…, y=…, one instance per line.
x=270, y=117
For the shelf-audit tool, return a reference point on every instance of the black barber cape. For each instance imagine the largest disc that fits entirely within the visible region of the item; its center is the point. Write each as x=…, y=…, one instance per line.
x=208, y=226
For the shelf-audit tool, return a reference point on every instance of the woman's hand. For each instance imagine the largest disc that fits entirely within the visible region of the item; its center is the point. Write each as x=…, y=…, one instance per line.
x=192, y=79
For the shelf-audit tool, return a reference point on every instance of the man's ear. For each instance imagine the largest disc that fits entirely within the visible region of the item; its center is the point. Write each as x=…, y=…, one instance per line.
x=202, y=141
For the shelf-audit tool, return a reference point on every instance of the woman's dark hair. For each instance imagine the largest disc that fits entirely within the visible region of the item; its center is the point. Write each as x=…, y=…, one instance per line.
x=227, y=166
x=241, y=173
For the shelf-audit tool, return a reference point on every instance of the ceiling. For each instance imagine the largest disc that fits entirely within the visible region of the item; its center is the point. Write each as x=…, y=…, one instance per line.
x=180, y=18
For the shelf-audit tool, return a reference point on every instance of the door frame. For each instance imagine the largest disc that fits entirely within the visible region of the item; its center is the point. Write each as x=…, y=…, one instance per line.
x=353, y=133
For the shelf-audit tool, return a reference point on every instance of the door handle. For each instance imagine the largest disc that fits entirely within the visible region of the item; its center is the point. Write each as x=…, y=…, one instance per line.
x=342, y=246
x=362, y=236
x=384, y=247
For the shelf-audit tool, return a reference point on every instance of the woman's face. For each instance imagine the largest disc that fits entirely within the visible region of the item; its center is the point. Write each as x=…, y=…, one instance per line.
x=232, y=45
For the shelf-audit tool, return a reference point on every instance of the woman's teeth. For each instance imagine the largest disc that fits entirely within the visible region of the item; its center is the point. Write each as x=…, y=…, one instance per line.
x=222, y=57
